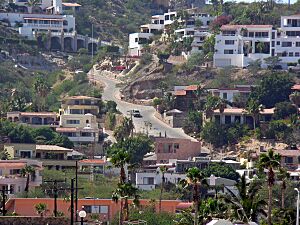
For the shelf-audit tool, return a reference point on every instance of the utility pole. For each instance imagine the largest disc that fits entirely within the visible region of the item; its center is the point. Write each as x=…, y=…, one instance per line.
x=3, y=194
x=55, y=190
x=76, y=192
x=72, y=201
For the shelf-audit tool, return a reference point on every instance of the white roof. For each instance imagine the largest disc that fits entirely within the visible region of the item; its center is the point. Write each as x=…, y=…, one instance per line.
x=219, y=222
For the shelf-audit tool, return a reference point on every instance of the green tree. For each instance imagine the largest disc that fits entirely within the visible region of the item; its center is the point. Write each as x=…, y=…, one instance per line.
x=41, y=89
x=273, y=88
x=221, y=170
x=195, y=178
x=283, y=110
x=214, y=134
x=124, y=130
x=41, y=208
x=283, y=177
x=247, y=199
x=269, y=161
x=31, y=4
x=272, y=61
x=254, y=108
x=124, y=192
x=27, y=171
x=162, y=170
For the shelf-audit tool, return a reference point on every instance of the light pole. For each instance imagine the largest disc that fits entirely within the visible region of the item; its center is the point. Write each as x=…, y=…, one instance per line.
x=297, y=221
x=82, y=215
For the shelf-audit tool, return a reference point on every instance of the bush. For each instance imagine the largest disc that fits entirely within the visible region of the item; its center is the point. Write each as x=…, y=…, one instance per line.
x=292, y=64
x=146, y=59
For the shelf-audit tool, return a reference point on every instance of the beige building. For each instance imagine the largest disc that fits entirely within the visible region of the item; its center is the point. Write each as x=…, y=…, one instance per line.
x=80, y=105
x=52, y=156
x=33, y=118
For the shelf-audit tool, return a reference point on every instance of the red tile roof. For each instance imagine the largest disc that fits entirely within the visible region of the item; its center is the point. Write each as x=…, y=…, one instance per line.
x=92, y=161
x=191, y=88
x=12, y=165
x=230, y=27
x=184, y=205
x=180, y=93
x=38, y=114
x=71, y=4
x=288, y=152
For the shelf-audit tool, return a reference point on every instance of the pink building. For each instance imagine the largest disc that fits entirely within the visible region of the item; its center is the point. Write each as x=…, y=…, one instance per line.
x=175, y=148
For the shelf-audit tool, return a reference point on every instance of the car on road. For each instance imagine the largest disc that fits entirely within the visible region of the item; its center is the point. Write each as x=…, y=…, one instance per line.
x=135, y=113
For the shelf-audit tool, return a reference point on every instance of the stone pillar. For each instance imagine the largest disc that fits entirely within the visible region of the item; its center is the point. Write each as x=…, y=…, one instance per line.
x=75, y=42
x=62, y=42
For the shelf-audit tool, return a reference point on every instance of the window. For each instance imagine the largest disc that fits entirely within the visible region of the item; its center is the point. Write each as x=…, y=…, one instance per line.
x=289, y=160
x=96, y=209
x=87, y=121
x=136, y=40
x=291, y=54
x=176, y=146
x=75, y=111
x=229, y=42
x=273, y=35
x=224, y=95
x=73, y=121
x=278, y=42
x=297, y=54
x=293, y=33
x=227, y=119
x=148, y=180
x=273, y=43
x=167, y=17
x=228, y=51
x=262, y=34
x=237, y=119
x=161, y=21
x=251, y=34
x=286, y=44
x=297, y=44
x=167, y=148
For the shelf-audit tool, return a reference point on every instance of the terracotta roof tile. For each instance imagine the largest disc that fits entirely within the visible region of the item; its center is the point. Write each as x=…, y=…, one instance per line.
x=71, y=4
x=180, y=93
x=38, y=114
x=191, y=88
x=10, y=165
x=92, y=161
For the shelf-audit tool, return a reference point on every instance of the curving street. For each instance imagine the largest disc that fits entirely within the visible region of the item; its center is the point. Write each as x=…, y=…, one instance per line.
x=111, y=92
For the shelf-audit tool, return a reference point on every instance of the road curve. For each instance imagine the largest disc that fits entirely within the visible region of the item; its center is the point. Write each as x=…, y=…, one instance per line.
x=158, y=127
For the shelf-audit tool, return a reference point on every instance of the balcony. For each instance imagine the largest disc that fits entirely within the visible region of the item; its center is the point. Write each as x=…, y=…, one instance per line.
x=37, y=25
x=83, y=139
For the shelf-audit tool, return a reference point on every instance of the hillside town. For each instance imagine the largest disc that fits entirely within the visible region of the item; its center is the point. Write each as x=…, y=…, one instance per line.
x=189, y=116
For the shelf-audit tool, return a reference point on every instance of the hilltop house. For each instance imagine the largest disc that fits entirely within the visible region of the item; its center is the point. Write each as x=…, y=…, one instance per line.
x=48, y=17
x=33, y=118
x=78, y=119
x=238, y=45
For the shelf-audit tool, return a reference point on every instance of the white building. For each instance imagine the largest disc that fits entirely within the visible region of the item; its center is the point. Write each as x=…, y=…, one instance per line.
x=12, y=179
x=148, y=181
x=238, y=45
x=137, y=42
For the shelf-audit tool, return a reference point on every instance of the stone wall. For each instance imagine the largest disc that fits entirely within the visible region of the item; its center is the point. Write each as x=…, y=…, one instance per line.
x=21, y=220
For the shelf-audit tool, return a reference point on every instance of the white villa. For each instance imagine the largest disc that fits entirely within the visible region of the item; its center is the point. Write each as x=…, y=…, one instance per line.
x=238, y=45
x=48, y=17
x=160, y=24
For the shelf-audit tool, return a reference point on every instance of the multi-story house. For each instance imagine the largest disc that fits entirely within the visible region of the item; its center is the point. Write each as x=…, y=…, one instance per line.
x=167, y=149
x=52, y=156
x=238, y=45
x=33, y=118
x=78, y=120
x=47, y=17
x=12, y=179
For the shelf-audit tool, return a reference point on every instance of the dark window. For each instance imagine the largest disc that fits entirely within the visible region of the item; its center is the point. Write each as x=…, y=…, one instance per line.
x=251, y=34
x=229, y=42
x=297, y=44
x=297, y=54
x=228, y=51
x=237, y=119
x=288, y=160
x=278, y=42
x=286, y=44
x=273, y=43
x=227, y=119
x=225, y=95
x=291, y=54
x=273, y=35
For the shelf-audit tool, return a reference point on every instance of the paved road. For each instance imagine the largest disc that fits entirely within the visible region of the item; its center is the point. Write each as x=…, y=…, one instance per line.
x=111, y=92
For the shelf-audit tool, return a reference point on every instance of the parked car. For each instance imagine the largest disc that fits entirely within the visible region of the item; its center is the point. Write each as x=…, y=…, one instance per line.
x=135, y=113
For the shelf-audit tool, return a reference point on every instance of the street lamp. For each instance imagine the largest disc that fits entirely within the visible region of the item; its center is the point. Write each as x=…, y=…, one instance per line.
x=297, y=221
x=82, y=215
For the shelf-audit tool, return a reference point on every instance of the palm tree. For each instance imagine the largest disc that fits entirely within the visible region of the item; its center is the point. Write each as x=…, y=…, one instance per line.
x=254, y=108
x=194, y=178
x=124, y=130
x=31, y=4
x=246, y=200
x=41, y=89
x=283, y=176
x=270, y=161
x=163, y=170
x=199, y=92
x=27, y=171
x=124, y=192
